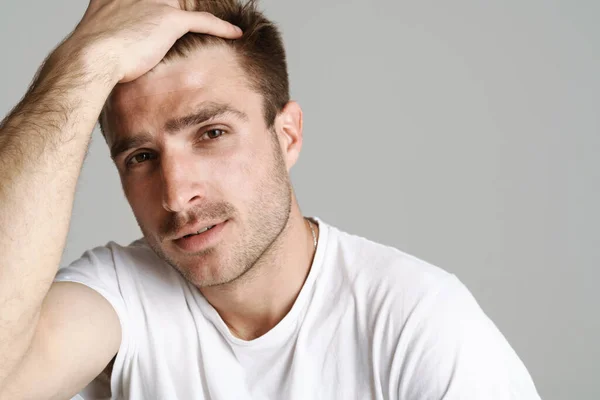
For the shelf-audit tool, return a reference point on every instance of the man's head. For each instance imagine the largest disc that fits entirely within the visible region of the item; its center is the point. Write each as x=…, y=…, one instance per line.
x=208, y=137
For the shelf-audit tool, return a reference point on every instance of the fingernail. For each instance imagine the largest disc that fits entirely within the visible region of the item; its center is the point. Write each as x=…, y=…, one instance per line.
x=237, y=28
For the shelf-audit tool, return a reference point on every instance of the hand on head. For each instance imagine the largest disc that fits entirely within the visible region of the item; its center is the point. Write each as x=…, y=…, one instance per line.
x=134, y=35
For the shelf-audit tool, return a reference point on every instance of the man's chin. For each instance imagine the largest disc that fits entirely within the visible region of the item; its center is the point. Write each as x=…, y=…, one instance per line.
x=194, y=267
x=202, y=270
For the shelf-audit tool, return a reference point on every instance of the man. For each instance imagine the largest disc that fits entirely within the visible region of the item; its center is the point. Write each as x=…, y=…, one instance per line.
x=231, y=293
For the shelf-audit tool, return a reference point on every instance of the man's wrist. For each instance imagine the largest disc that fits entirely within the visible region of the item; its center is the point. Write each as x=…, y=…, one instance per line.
x=87, y=60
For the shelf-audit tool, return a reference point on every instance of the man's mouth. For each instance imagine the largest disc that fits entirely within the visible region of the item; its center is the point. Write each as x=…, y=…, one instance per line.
x=200, y=231
x=200, y=240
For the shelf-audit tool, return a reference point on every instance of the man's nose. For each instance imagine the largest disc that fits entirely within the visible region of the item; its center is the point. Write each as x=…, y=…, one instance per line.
x=181, y=185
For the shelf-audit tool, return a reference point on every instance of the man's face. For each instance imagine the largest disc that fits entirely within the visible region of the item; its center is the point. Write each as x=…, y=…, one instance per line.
x=194, y=151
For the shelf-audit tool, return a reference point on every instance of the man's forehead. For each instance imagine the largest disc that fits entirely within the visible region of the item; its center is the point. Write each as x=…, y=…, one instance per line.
x=211, y=68
x=175, y=89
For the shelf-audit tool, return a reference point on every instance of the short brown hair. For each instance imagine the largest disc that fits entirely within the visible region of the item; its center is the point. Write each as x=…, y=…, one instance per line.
x=260, y=50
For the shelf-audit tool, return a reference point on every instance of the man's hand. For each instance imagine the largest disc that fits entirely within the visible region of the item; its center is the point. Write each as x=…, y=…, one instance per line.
x=134, y=35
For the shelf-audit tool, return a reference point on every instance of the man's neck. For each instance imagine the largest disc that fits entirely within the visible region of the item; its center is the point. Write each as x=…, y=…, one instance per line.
x=252, y=305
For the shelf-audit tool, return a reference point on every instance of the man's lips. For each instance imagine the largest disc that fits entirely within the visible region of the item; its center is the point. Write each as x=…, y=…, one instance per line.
x=196, y=228
x=195, y=243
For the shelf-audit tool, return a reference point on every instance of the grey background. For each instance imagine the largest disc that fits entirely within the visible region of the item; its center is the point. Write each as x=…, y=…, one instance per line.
x=465, y=133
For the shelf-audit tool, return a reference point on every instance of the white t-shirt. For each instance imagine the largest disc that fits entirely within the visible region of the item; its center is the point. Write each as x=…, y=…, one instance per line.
x=371, y=322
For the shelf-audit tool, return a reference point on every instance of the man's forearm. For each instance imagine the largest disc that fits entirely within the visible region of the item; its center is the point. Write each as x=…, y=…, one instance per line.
x=42, y=146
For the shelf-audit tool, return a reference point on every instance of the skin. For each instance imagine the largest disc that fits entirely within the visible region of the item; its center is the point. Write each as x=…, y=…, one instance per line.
x=231, y=168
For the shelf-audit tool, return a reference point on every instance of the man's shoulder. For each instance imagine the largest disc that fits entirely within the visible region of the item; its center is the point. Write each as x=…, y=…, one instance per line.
x=403, y=303
x=371, y=264
x=113, y=253
x=393, y=291
x=113, y=261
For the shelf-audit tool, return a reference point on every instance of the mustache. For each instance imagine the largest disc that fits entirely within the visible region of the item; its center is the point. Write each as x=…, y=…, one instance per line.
x=206, y=212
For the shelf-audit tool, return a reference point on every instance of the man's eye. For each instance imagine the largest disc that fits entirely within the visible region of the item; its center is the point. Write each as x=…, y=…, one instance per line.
x=214, y=133
x=140, y=158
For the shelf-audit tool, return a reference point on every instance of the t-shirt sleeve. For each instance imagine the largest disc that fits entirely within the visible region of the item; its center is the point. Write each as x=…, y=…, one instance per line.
x=96, y=270
x=454, y=351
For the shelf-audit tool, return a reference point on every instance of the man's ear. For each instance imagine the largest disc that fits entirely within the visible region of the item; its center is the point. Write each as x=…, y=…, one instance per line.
x=288, y=125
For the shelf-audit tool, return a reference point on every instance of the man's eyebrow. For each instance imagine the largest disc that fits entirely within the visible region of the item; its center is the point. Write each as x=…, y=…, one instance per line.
x=121, y=145
x=206, y=112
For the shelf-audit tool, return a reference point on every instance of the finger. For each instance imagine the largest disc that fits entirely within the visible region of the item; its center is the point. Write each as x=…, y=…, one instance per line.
x=203, y=22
